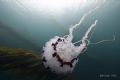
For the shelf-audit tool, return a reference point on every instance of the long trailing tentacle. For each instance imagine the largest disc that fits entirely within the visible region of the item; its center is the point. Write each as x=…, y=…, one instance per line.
x=114, y=38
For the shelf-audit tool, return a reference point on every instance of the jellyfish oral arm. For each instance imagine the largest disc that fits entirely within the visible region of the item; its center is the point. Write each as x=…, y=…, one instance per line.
x=89, y=30
x=82, y=19
x=85, y=41
x=79, y=23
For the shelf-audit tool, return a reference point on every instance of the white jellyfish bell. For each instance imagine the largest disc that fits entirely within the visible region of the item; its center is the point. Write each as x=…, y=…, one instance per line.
x=60, y=54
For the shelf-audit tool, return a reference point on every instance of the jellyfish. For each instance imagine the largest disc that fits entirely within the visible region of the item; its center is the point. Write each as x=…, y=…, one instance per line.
x=60, y=54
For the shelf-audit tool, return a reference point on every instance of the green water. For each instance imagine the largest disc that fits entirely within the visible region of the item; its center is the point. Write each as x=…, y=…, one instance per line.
x=22, y=28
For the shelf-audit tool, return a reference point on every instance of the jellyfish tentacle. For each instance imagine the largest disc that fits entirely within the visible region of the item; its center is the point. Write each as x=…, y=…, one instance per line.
x=85, y=49
x=77, y=42
x=65, y=36
x=92, y=33
x=85, y=41
x=79, y=23
x=114, y=38
x=85, y=37
x=70, y=36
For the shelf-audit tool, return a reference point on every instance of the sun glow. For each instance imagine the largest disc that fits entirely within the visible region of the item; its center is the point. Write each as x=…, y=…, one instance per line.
x=55, y=6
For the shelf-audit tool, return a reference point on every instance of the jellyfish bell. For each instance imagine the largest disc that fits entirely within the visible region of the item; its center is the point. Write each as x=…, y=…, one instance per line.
x=59, y=55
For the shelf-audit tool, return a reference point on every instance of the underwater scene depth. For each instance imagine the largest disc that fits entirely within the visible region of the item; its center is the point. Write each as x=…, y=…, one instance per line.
x=59, y=39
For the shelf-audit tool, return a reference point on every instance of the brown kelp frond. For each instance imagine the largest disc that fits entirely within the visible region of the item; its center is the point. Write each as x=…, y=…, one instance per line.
x=20, y=61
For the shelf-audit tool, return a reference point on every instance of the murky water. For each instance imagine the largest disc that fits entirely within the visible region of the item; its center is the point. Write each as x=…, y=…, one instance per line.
x=24, y=27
